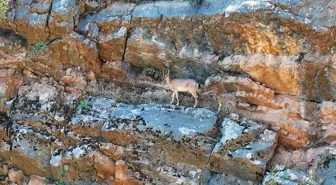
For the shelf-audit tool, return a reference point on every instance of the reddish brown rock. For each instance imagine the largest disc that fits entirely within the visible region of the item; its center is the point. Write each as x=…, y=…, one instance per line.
x=115, y=70
x=229, y=151
x=91, y=75
x=121, y=175
x=83, y=160
x=308, y=160
x=329, y=134
x=74, y=49
x=258, y=100
x=63, y=18
x=142, y=52
x=3, y=170
x=10, y=83
x=317, y=76
x=277, y=73
x=328, y=111
x=74, y=84
x=112, y=46
x=72, y=163
x=293, y=134
x=36, y=180
x=249, y=35
x=30, y=24
x=232, y=83
x=114, y=152
x=105, y=167
x=31, y=159
x=15, y=175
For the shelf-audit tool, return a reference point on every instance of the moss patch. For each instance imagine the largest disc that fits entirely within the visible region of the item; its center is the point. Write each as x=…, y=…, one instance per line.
x=4, y=7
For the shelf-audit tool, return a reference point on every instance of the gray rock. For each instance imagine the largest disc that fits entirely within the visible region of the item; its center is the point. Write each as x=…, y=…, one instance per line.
x=93, y=31
x=32, y=21
x=146, y=10
x=90, y=118
x=115, y=9
x=40, y=8
x=30, y=151
x=84, y=24
x=35, y=19
x=23, y=2
x=109, y=18
x=176, y=9
x=328, y=170
x=21, y=11
x=64, y=17
x=217, y=179
x=177, y=132
x=175, y=137
x=289, y=177
x=236, y=134
x=179, y=121
x=241, y=152
x=92, y=5
x=78, y=161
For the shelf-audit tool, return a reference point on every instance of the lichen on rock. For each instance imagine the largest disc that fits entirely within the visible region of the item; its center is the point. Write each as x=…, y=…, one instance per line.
x=83, y=97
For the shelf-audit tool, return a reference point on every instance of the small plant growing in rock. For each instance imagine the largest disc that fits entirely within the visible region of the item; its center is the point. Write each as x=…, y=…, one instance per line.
x=39, y=46
x=195, y=2
x=309, y=180
x=333, y=48
x=276, y=176
x=63, y=182
x=4, y=7
x=58, y=181
x=232, y=68
x=83, y=105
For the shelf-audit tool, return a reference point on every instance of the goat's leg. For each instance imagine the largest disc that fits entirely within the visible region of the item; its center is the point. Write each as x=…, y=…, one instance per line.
x=219, y=106
x=194, y=94
x=228, y=109
x=178, y=101
x=234, y=106
x=172, y=97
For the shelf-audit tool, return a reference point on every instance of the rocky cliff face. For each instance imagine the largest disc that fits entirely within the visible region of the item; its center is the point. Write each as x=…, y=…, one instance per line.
x=83, y=100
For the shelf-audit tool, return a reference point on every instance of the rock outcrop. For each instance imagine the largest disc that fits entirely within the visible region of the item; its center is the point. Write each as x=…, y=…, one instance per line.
x=244, y=150
x=156, y=140
x=82, y=91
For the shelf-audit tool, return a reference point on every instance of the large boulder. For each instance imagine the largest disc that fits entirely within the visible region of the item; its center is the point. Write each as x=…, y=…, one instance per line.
x=244, y=150
x=63, y=17
x=290, y=176
x=29, y=151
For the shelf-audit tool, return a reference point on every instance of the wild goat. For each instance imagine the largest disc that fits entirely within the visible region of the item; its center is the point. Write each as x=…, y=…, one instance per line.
x=227, y=99
x=182, y=85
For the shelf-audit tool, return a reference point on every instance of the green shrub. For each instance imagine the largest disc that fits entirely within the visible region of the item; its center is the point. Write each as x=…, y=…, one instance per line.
x=4, y=7
x=334, y=48
x=83, y=106
x=58, y=181
x=39, y=46
x=195, y=2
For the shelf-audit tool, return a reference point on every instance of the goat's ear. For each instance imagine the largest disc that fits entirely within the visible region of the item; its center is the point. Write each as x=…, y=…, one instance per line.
x=167, y=72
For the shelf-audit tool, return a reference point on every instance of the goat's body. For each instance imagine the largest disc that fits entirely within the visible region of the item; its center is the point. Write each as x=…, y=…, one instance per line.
x=182, y=85
x=227, y=99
